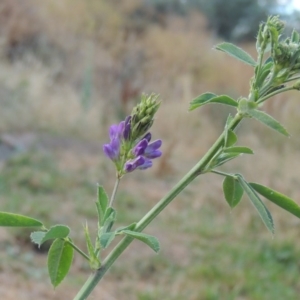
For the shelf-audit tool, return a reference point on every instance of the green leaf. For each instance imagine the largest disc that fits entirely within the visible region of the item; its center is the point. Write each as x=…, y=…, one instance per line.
x=295, y=36
x=222, y=159
x=224, y=99
x=203, y=98
x=129, y=227
x=245, y=150
x=101, y=204
x=237, y=53
x=231, y=138
x=233, y=191
x=212, y=98
x=268, y=60
x=265, y=71
x=106, y=238
x=279, y=199
x=94, y=262
x=150, y=240
x=14, y=220
x=258, y=204
x=267, y=120
x=109, y=219
x=228, y=120
x=55, y=232
x=60, y=257
x=37, y=237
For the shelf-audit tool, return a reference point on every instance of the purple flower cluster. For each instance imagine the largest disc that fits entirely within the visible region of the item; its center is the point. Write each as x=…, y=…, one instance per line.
x=143, y=152
x=137, y=156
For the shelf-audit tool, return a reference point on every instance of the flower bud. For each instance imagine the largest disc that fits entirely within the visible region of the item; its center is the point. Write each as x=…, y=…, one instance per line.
x=143, y=115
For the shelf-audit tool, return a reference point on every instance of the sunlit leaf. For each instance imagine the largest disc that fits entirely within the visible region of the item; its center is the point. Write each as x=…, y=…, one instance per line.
x=279, y=199
x=236, y=52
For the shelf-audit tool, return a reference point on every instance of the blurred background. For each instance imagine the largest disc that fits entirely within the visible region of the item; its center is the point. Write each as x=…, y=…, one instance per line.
x=69, y=69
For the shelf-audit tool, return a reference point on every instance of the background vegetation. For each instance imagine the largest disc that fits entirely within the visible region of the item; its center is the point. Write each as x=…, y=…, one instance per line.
x=71, y=68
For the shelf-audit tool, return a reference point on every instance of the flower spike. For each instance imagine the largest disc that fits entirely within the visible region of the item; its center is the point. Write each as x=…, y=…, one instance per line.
x=130, y=146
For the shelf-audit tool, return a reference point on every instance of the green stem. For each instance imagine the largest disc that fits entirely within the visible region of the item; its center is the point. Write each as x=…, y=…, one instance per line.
x=289, y=88
x=113, y=195
x=252, y=96
x=221, y=173
x=94, y=279
x=77, y=249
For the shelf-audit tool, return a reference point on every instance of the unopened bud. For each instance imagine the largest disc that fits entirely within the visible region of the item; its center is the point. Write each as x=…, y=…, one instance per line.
x=143, y=114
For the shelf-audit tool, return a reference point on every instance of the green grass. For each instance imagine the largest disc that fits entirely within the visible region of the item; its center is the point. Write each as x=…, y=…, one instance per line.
x=225, y=265
x=207, y=253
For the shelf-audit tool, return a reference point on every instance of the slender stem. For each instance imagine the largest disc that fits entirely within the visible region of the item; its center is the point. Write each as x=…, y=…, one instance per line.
x=289, y=88
x=94, y=279
x=221, y=173
x=77, y=249
x=113, y=195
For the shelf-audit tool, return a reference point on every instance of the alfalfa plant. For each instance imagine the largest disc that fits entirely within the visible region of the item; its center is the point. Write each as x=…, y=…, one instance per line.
x=276, y=71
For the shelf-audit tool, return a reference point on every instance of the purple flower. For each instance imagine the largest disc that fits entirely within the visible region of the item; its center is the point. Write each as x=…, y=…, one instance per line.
x=140, y=147
x=148, y=150
x=112, y=150
x=144, y=152
x=147, y=164
x=126, y=152
x=116, y=130
x=132, y=164
x=147, y=137
x=152, y=149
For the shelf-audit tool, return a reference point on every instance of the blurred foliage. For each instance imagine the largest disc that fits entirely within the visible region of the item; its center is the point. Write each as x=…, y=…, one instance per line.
x=35, y=172
x=237, y=20
x=169, y=6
